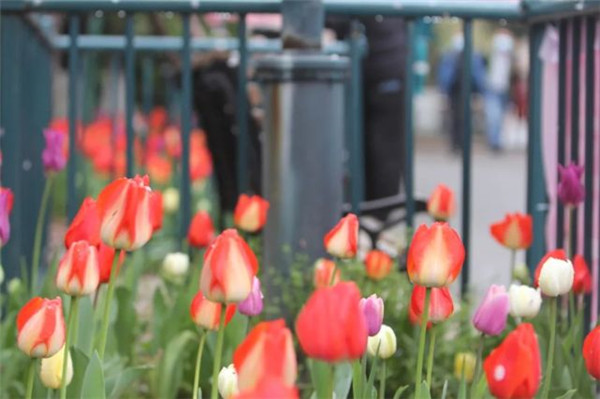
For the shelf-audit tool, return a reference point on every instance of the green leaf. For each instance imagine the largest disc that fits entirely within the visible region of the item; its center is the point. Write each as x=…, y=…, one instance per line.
x=125, y=326
x=117, y=384
x=425, y=390
x=170, y=367
x=93, y=380
x=400, y=391
x=568, y=395
x=371, y=381
x=85, y=319
x=462, y=388
x=321, y=374
x=80, y=364
x=342, y=379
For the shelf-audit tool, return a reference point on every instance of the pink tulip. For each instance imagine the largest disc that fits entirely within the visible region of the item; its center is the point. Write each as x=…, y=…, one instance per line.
x=490, y=316
x=253, y=305
x=372, y=308
x=6, y=201
x=54, y=157
x=570, y=189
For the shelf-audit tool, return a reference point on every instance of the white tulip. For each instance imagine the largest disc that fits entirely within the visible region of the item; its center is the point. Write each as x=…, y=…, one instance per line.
x=385, y=341
x=524, y=301
x=175, y=265
x=228, y=382
x=52, y=367
x=170, y=200
x=556, y=277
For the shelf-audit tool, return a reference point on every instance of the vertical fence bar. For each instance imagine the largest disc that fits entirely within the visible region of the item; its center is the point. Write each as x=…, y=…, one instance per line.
x=357, y=160
x=148, y=85
x=408, y=129
x=186, y=125
x=242, y=108
x=466, y=150
x=536, y=195
x=73, y=76
x=129, y=90
x=576, y=46
x=562, y=125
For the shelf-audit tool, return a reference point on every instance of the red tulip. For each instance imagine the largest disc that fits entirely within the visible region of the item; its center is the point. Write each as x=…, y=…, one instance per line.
x=106, y=257
x=591, y=352
x=10, y=198
x=435, y=256
x=513, y=370
x=157, y=118
x=514, y=232
x=441, y=205
x=378, y=264
x=6, y=204
x=324, y=269
x=159, y=168
x=331, y=325
x=156, y=210
x=582, y=282
x=125, y=211
x=270, y=388
x=267, y=351
x=41, y=327
x=85, y=225
x=200, y=158
x=207, y=314
x=441, y=305
x=201, y=232
x=556, y=254
x=342, y=240
x=173, y=141
x=78, y=271
x=250, y=213
x=229, y=268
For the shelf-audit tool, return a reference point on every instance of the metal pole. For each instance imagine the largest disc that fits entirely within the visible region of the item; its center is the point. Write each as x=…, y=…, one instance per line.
x=129, y=91
x=575, y=125
x=242, y=109
x=148, y=86
x=73, y=76
x=466, y=150
x=408, y=129
x=356, y=145
x=186, y=121
x=562, y=125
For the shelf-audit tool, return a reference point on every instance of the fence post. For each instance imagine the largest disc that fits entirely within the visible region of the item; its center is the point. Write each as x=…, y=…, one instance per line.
x=562, y=124
x=408, y=129
x=129, y=92
x=575, y=125
x=72, y=201
x=356, y=145
x=242, y=108
x=186, y=121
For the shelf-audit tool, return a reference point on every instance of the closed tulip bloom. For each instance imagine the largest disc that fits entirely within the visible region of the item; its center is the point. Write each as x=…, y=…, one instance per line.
x=591, y=352
x=125, y=211
x=382, y=344
x=582, y=280
x=253, y=305
x=229, y=268
x=159, y=168
x=555, y=253
x=54, y=157
x=6, y=201
x=441, y=205
x=514, y=369
x=85, y=224
x=372, y=307
x=521, y=273
x=330, y=326
x=201, y=232
x=51, y=369
x=176, y=265
x=106, y=256
x=324, y=268
x=464, y=366
x=342, y=240
x=514, y=232
x=524, y=301
x=378, y=264
x=270, y=388
x=228, y=382
x=435, y=256
x=556, y=277
x=170, y=200
x=41, y=327
x=78, y=271
x=490, y=316
x=250, y=213
x=441, y=305
x=571, y=191
x=268, y=350
x=207, y=314
x=156, y=210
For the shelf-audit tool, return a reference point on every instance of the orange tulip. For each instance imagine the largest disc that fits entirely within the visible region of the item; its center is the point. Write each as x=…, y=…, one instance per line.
x=201, y=232
x=331, y=326
x=157, y=118
x=78, y=271
x=324, y=269
x=125, y=211
x=582, y=282
x=514, y=232
x=200, y=157
x=378, y=264
x=441, y=305
x=435, y=256
x=591, y=352
x=441, y=205
x=229, y=268
x=270, y=388
x=342, y=240
x=250, y=213
x=41, y=327
x=85, y=224
x=556, y=254
x=207, y=314
x=173, y=141
x=159, y=168
x=268, y=350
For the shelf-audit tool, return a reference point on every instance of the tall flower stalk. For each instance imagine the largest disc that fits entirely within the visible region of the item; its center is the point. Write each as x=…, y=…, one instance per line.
x=214, y=394
x=72, y=321
x=198, y=364
x=551, y=345
x=424, y=320
x=39, y=227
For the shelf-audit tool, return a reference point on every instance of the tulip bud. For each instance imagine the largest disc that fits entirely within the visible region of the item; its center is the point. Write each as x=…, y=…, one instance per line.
x=514, y=232
x=342, y=240
x=201, y=232
x=378, y=264
x=170, y=200
x=382, y=344
x=78, y=271
x=490, y=316
x=441, y=205
x=175, y=266
x=250, y=213
x=441, y=305
x=253, y=305
x=228, y=382
x=207, y=314
x=324, y=268
x=524, y=301
x=556, y=277
x=41, y=327
x=372, y=308
x=14, y=286
x=521, y=273
x=570, y=189
x=591, y=352
x=52, y=367
x=464, y=365
x=85, y=225
x=53, y=155
x=582, y=281
x=6, y=204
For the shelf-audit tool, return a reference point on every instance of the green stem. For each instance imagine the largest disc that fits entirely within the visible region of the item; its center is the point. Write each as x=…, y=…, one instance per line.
x=49, y=393
x=72, y=319
x=478, y=363
x=332, y=278
x=424, y=319
x=573, y=318
x=37, y=243
x=430, y=355
x=357, y=375
x=569, y=243
x=198, y=363
x=214, y=394
x=550, y=357
x=382, y=381
x=30, y=375
x=108, y=300
x=513, y=264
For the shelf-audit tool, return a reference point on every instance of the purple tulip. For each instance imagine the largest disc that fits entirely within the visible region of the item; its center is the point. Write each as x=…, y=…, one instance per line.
x=570, y=189
x=5, y=200
x=53, y=155
x=490, y=316
x=252, y=305
x=372, y=307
